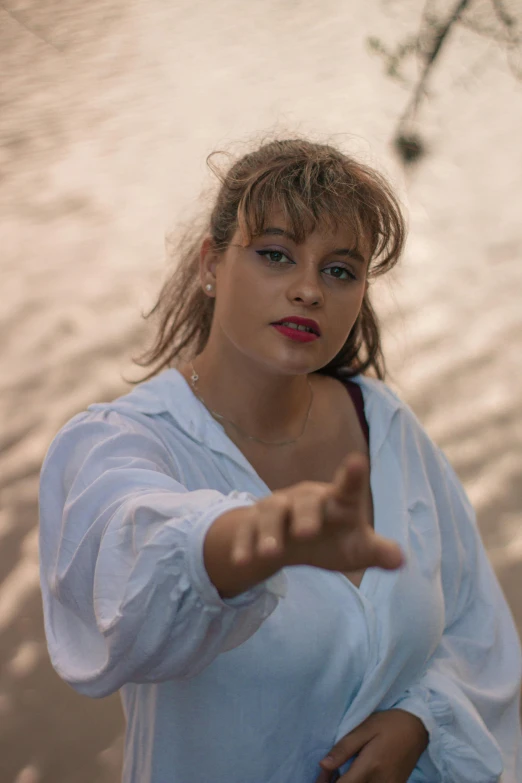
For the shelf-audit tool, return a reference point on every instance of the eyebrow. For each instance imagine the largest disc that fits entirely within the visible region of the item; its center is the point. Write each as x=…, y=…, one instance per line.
x=343, y=251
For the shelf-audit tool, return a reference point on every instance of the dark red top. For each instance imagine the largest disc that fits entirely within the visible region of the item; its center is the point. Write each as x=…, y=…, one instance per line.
x=356, y=394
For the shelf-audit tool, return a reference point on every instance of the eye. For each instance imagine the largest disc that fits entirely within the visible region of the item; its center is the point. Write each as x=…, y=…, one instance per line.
x=274, y=257
x=337, y=271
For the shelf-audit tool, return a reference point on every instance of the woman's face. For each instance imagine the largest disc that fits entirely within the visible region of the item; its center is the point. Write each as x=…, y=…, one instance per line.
x=274, y=278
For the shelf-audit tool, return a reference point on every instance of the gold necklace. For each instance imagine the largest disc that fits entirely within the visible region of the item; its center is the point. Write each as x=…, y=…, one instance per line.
x=194, y=378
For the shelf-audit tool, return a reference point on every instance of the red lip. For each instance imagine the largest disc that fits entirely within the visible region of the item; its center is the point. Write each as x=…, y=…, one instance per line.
x=296, y=319
x=297, y=335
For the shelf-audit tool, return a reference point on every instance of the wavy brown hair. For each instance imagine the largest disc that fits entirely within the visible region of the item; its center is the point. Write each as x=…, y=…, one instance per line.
x=315, y=185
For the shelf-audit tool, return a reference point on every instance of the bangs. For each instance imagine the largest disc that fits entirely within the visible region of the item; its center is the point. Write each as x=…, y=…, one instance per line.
x=326, y=195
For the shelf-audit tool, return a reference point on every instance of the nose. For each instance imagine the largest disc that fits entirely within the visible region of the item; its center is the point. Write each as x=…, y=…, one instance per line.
x=306, y=288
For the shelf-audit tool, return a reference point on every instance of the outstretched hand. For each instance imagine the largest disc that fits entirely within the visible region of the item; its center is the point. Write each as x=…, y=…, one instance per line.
x=321, y=524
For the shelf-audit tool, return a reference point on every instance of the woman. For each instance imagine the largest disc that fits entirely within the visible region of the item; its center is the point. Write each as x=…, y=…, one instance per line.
x=259, y=546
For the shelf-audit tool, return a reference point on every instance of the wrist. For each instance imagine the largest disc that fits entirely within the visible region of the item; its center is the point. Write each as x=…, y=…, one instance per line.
x=417, y=729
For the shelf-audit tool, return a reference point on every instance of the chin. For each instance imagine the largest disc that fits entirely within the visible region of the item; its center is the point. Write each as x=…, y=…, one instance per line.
x=298, y=365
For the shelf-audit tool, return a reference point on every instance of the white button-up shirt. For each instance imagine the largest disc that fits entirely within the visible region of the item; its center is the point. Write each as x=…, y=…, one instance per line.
x=257, y=688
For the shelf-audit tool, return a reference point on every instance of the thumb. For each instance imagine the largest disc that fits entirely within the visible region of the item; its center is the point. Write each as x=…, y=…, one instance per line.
x=385, y=553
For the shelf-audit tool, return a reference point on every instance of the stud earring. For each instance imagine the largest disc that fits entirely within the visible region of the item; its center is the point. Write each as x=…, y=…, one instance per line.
x=209, y=287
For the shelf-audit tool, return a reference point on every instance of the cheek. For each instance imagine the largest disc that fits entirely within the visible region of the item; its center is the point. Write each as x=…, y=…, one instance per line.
x=348, y=306
x=343, y=317
x=243, y=294
x=240, y=306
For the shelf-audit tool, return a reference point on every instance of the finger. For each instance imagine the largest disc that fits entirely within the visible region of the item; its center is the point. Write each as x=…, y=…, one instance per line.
x=365, y=549
x=271, y=528
x=384, y=553
x=243, y=545
x=326, y=777
x=364, y=768
x=307, y=515
x=351, y=479
x=348, y=746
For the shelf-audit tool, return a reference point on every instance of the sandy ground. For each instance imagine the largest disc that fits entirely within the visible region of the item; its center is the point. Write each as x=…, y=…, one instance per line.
x=107, y=111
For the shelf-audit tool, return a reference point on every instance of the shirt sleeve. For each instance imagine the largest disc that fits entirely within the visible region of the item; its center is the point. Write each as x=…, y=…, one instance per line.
x=469, y=696
x=126, y=595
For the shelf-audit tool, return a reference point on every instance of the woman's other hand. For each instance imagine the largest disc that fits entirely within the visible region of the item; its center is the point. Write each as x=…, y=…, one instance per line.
x=386, y=746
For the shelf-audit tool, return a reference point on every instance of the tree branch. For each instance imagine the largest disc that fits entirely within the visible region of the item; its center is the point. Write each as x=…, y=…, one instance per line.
x=431, y=56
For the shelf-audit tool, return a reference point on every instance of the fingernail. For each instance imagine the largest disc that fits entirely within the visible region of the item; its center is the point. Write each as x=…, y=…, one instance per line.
x=329, y=761
x=240, y=556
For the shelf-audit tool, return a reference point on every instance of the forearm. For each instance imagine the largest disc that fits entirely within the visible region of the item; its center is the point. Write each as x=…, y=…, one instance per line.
x=230, y=578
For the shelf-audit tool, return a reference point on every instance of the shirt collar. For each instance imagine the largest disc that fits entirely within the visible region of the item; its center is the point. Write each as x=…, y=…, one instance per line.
x=169, y=392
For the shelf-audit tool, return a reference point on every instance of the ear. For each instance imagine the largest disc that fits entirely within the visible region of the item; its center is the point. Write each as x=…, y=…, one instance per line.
x=208, y=260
